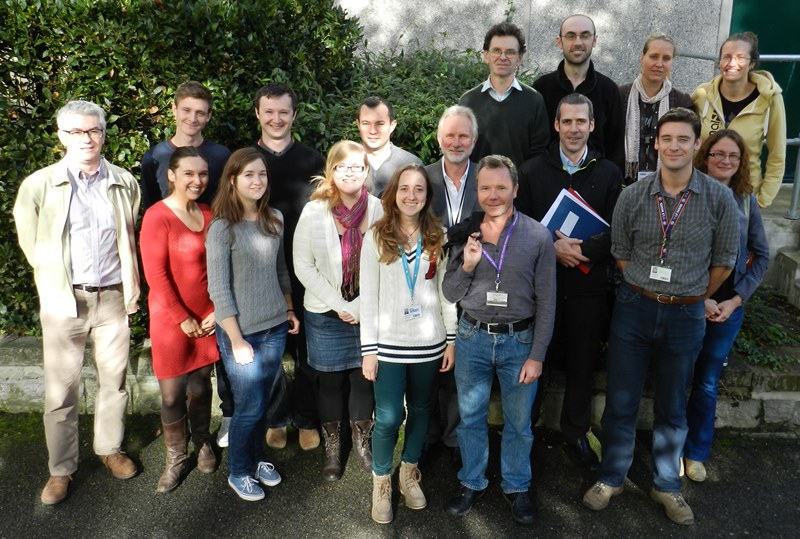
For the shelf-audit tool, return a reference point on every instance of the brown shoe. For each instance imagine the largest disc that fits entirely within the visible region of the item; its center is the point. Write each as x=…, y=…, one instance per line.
x=362, y=442
x=276, y=438
x=56, y=489
x=120, y=465
x=309, y=439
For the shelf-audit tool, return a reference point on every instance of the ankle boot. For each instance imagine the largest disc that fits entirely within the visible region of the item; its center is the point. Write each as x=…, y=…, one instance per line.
x=382, y=498
x=200, y=426
x=332, y=469
x=409, y=480
x=362, y=441
x=175, y=466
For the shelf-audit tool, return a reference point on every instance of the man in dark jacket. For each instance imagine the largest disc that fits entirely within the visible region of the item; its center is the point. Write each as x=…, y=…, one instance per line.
x=582, y=305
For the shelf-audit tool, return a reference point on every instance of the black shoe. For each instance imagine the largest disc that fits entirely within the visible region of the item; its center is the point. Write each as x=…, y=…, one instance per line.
x=522, y=509
x=463, y=501
x=455, y=457
x=582, y=451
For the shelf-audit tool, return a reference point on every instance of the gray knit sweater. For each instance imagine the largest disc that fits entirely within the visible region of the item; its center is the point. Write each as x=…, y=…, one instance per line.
x=247, y=274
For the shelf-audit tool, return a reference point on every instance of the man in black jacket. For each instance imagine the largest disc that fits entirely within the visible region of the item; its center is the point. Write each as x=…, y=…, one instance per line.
x=582, y=271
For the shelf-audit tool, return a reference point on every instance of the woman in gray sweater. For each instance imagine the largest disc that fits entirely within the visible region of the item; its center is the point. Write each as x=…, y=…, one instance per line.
x=248, y=282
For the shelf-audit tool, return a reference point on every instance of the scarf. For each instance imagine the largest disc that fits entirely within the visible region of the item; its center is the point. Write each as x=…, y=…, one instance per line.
x=350, y=219
x=632, y=121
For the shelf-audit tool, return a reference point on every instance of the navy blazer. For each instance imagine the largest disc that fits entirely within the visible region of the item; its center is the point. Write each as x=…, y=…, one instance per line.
x=439, y=198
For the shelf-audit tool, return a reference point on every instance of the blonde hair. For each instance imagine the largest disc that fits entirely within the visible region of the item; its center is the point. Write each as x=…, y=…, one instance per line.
x=324, y=186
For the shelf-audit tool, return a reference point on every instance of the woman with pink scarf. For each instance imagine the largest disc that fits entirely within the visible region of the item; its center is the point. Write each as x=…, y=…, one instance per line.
x=327, y=250
x=647, y=99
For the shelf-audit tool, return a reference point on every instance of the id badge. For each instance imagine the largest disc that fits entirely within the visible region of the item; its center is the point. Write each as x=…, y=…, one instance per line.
x=412, y=312
x=661, y=273
x=497, y=299
x=644, y=174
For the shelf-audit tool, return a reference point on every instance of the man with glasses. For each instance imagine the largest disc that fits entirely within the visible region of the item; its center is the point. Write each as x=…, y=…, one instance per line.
x=512, y=120
x=75, y=221
x=290, y=165
x=575, y=73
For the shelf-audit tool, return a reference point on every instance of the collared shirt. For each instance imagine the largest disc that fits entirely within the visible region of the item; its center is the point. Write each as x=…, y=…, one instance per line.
x=92, y=230
x=375, y=161
x=567, y=164
x=528, y=276
x=497, y=96
x=454, y=195
x=273, y=152
x=706, y=235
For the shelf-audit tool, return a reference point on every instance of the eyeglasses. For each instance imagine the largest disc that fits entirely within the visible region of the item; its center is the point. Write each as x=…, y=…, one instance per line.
x=94, y=134
x=739, y=59
x=355, y=169
x=509, y=53
x=719, y=156
x=572, y=36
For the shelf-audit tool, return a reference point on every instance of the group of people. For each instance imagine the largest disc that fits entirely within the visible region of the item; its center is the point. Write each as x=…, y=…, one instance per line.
x=402, y=290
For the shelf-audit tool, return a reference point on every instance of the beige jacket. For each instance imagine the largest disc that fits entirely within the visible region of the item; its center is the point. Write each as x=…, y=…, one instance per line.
x=40, y=214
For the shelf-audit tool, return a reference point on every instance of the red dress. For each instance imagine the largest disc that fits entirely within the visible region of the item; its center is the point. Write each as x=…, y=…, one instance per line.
x=174, y=259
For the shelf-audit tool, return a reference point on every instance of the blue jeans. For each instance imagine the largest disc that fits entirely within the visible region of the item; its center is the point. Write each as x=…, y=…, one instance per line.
x=703, y=401
x=644, y=331
x=478, y=356
x=251, y=386
x=395, y=380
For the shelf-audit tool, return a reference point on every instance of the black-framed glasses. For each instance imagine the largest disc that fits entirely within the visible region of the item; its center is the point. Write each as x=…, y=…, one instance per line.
x=94, y=134
x=720, y=156
x=355, y=169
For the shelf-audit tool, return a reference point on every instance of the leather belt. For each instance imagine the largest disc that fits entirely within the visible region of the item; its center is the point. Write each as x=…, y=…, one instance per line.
x=666, y=299
x=494, y=329
x=93, y=289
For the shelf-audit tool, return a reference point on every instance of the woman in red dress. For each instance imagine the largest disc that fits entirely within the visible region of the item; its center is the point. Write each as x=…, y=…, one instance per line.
x=181, y=313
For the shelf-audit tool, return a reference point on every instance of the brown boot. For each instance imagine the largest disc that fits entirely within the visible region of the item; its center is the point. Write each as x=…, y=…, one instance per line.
x=175, y=466
x=362, y=442
x=332, y=469
x=200, y=426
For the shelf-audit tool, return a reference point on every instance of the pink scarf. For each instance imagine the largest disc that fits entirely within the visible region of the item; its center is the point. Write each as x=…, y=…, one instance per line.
x=350, y=219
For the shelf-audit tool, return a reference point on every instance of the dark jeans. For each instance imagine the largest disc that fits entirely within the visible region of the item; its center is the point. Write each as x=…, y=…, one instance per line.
x=668, y=337
x=444, y=410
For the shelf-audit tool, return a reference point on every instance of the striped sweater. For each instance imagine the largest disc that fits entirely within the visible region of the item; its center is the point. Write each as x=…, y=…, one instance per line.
x=385, y=296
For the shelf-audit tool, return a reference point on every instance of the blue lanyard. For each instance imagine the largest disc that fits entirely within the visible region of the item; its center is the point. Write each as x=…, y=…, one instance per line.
x=499, y=265
x=666, y=228
x=412, y=281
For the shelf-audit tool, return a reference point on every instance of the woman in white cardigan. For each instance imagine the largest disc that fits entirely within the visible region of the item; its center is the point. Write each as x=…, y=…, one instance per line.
x=327, y=249
x=407, y=329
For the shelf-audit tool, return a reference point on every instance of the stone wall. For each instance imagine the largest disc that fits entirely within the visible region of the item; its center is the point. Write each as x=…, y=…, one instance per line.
x=697, y=26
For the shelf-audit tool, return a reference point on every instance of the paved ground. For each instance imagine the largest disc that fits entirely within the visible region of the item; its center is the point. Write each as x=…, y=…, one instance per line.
x=753, y=490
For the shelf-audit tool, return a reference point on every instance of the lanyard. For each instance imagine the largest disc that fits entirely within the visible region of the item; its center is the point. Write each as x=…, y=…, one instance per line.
x=666, y=228
x=454, y=219
x=499, y=265
x=412, y=281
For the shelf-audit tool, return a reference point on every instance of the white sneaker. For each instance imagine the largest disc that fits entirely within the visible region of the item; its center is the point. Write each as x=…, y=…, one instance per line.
x=222, y=435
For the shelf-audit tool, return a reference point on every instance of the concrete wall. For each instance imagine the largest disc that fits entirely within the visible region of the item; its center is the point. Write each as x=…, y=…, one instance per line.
x=622, y=26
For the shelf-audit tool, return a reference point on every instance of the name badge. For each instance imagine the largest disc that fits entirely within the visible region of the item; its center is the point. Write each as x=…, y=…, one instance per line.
x=660, y=273
x=412, y=313
x=643, y=174
x=497, y=299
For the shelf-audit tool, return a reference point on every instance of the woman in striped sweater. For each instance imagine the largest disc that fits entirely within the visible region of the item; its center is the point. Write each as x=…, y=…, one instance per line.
x=407, y=329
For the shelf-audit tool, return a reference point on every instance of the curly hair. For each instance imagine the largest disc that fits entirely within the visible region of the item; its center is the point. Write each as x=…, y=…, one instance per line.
x=740, y=181
x=386, y=231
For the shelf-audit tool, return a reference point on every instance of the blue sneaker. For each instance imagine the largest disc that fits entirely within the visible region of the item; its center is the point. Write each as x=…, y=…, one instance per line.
x=246, y=488
x=267, y=474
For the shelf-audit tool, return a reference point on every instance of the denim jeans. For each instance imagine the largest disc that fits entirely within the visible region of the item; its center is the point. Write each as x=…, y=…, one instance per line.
x=703, y=400
x=395, y=380
x=669, y=337
x=251, y=386
x=479, y=355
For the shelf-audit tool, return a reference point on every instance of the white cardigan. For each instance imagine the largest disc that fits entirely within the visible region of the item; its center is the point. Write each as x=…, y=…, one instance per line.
x=318, y=257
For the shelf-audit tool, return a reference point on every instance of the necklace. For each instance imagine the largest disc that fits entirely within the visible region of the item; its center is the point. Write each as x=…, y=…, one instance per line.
x=408, y=236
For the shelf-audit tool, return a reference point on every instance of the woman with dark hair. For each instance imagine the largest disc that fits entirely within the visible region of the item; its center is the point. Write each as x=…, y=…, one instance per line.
x=181, y=313
x=327, y=251
x=407, y=329
x=750, y=103
x=723, y=156
x=248, y=281
x=648, y=98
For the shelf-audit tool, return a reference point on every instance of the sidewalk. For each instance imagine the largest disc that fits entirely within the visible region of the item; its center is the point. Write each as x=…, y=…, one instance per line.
x=752, y=490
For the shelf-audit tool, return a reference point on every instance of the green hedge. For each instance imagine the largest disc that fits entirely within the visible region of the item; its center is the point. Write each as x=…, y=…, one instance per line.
x=128, y=56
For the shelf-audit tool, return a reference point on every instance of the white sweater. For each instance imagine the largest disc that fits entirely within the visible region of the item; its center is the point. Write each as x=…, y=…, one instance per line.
x=318, y=257
x=385, y=295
